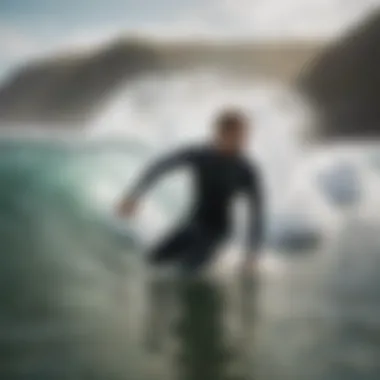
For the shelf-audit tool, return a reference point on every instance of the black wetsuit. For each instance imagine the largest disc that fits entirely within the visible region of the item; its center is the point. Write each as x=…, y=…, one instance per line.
x=218, y=179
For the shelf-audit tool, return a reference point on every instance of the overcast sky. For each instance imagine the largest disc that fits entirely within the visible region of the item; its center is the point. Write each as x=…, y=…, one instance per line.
x=34, y=27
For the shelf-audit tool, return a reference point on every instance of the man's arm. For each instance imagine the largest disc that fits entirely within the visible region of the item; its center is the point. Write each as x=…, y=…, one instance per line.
x=152, y=174
x=254, y=191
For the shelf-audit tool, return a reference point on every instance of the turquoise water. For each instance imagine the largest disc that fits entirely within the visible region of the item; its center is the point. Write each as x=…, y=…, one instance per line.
x=78, y=303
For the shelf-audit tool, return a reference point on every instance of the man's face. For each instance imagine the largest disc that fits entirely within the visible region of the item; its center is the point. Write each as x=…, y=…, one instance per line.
x=234, y=139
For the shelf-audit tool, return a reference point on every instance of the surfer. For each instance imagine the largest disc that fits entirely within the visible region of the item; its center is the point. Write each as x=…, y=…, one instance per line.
x=220, y=172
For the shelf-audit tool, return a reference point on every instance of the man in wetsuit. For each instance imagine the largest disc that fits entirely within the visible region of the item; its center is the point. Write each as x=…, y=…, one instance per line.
x=220, y=173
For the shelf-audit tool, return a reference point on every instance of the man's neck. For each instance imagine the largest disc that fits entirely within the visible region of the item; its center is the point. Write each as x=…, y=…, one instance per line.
x=219, y=148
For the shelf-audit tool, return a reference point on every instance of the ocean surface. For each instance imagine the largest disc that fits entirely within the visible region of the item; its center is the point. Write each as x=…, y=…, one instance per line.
x=78, y=302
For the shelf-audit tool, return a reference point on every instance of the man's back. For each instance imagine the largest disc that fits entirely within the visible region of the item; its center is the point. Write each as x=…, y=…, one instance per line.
x=217, y=178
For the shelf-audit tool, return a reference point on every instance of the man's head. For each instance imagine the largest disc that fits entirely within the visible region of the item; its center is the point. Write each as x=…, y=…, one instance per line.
x=231, y=130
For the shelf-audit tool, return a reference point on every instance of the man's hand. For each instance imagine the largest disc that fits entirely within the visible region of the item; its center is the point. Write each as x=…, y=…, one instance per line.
x=127, y=208
x=250, y=266
x=249, y=272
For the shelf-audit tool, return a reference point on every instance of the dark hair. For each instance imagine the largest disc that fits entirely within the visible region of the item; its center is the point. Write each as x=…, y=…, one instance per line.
x=230, y=120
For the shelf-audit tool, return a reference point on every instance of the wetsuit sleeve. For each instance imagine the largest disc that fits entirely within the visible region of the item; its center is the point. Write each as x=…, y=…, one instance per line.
x=254, y=190
x=161, y=167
